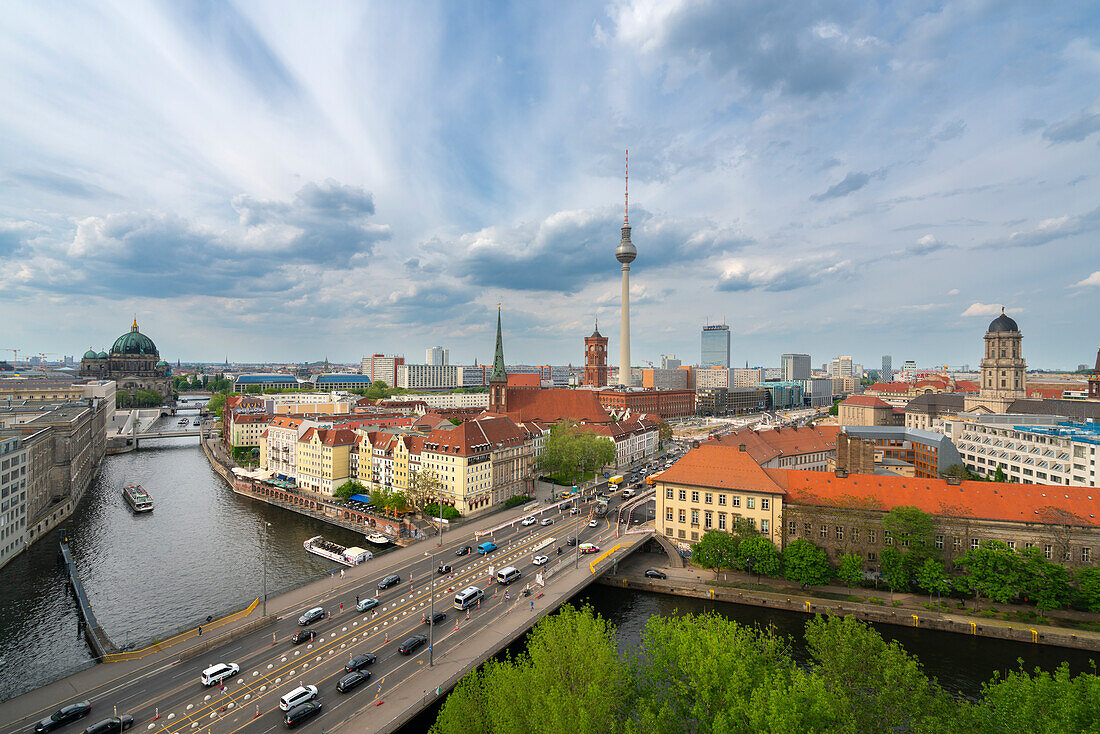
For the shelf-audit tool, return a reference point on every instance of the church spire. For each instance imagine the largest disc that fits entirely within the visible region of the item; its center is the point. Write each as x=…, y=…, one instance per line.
x=134, y=326
x=499, y=374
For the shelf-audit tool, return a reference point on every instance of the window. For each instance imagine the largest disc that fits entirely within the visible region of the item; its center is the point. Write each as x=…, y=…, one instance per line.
x=750, y=503
x=683, y=495
x=1011, y=544
x=708, y=498
x=855, y=535
x=694, y=517
x=792, y=528
x=668, y=493
x=680, y=533
x=808, y=530
x=722, y=500
x=1086, y=555
x=973, y=543
x=736, y=501
x=887, y=538
x=668, y=514
x=956, y=544
x=721, y=521
x=683, y=515
x=1028, y=545
x=751, y=522
x=694, y=535
x=824, y=531
x=840, y=532
x=905, y=540
x=765, y=503
x=764, y=526
x=872, y=536
x=939, y=542
x=694, y=496
x=707, y=519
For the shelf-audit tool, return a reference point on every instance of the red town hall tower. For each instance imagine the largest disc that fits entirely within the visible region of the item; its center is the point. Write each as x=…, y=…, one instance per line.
x=595, y=359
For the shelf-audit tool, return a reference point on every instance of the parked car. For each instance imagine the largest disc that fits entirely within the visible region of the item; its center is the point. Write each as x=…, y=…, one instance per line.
x=546, y=521
x=464, y=550
x=435, y=619
x=443, y=568
x=64, y=715
x=311, y=616
x=359, y=662
x=300, y=713
x=540, y=560
x=652, y=573
x=111, y=725
x=411, y=645
x=351, y=680
x=391, y=580
x=303, y=636
x=364, y=604
x=528, y=521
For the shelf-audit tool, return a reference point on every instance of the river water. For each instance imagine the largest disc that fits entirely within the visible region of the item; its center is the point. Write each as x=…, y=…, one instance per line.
x=201, y=552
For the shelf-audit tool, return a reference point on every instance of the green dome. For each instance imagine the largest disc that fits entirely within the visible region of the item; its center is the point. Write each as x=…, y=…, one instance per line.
x=90, y=354
x=162, y=363
x=101, y=355
x=134, y=343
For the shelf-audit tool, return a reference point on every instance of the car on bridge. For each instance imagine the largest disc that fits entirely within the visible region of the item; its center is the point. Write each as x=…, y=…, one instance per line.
x=303, y=636
x=528, y=521
x=111, y=725
x=443, y=568
x=546, y=521
x=297, y=696
x=215, y=674
x=359, y=662
x=64, y=715
x=464, y=550
x=539, y=560
x=311, y=616
x=486, y=548
x=352, y=680
x=364, y=604
x=571, y=541
x=593, y=523
x=300, y=713
x=391, y=580
x=435, y=619
x=411, y=645
x=589, y=548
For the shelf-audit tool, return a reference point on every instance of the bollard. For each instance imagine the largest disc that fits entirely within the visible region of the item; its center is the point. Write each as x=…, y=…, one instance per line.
x=257, y=714
x=156, y=714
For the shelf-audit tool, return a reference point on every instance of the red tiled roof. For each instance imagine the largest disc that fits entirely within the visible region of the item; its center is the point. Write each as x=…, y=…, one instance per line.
x=1051, y=393
x=329, y=437
x=720, y=467
x=1045, y=504
x=766, y=445
x=892, y=387
x=967, y=386
x=869, y=401
x=556, y=404
x=525, y=380
x=283, y=421
x=254, y=418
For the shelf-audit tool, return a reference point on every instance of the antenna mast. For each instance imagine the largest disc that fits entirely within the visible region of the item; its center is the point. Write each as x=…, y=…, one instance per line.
x=626, y=193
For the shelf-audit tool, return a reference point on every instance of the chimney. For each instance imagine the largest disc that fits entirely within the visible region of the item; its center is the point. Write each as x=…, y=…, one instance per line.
x=842, y=473
x=952, y=479
x=742, y=447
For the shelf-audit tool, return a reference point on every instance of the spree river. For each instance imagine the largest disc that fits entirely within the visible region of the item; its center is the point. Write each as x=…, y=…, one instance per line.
x=202, y=552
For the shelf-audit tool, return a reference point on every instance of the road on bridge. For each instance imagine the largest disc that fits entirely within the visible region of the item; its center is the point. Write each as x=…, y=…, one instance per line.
x=270, y=665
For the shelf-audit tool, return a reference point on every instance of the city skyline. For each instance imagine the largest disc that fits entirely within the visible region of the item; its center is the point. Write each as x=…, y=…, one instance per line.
x=274, y=187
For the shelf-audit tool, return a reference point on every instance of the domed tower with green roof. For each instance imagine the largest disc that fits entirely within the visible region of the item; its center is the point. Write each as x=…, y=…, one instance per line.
x=133, y=363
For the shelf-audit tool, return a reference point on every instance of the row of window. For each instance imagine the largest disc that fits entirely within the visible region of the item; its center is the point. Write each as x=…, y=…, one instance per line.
x=708, y=499
x=708, y=519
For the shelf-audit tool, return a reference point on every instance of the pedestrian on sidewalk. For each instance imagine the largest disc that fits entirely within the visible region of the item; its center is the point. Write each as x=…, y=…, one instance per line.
x=341, y=573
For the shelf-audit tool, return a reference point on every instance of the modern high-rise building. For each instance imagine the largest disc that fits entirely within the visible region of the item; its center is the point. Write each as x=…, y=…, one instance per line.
x=381, y=368
x=669, y=362
x=909, y=370
x=841, y=366
x=625, y=253
x=795, y=366
x=437, y=356
x=887, y=369
x=715, y=350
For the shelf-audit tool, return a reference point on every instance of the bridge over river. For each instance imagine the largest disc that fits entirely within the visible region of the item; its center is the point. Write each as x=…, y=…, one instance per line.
x=161, y=688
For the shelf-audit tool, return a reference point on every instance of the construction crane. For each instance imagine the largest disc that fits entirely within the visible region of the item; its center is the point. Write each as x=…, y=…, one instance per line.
x=42, y=357
x=14, y=356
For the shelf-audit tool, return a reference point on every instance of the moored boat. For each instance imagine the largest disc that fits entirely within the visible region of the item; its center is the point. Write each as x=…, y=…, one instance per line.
x=378, y=539
x=138, y=499
x=334, y=552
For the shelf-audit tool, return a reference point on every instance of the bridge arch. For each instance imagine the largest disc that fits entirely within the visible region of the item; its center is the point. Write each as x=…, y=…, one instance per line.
x=675, y=559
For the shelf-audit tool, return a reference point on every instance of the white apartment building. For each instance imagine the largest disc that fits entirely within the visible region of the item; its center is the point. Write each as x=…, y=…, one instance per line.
x=1028, y=448
x=447, y=401
x=437, y=356
x=473, y=376
x=744, y=377
x=427, y=376
x=381, y=368
x=280, y=447
x=712, y=377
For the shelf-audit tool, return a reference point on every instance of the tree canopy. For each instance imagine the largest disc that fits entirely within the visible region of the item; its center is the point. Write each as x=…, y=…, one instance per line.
x=570, y=450
x=806, y=564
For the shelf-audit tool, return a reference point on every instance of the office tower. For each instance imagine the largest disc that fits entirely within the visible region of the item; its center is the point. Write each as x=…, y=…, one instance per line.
x=669, y=362
x=437, y=356
x=795, y=367
x=715, y=350
x=887, y=369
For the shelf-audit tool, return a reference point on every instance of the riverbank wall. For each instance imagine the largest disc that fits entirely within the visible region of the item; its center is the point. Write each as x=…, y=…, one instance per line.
x=95, y=634
x=1016, y=632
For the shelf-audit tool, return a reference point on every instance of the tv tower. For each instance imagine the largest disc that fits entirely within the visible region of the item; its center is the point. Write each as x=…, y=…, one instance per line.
x=625, y=253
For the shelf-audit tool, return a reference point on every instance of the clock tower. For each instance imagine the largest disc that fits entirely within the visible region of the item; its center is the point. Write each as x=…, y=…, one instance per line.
x=595, y=359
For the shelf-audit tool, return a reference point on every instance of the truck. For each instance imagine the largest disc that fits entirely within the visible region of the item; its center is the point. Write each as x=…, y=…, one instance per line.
x=616, y=480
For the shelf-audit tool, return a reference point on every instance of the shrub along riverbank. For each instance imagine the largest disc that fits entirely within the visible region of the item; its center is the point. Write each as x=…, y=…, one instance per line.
x=705, y=674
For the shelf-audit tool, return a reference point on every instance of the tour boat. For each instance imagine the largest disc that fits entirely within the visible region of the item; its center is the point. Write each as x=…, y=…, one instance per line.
x=327, y=549
x=378, y=539
x=138, y=499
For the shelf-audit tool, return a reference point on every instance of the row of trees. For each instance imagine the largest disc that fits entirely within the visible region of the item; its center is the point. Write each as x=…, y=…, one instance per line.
x=386, y=501
x=183, y=383
x=992, y=571
x=138, y=399
x=708, y=675
x=571, y=451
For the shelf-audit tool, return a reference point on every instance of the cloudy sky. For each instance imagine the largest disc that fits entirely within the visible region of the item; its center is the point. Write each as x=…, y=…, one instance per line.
x=286, y=181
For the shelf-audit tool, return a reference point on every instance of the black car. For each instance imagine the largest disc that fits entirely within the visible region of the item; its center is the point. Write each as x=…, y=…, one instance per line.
x=111, y=725
x=411, y=645
x=435, y=618
x=571, y=541
x=301, y=712
x=443, y=568
x=303, y=636
x=64, y=715
x=652, y=573
x=352, y=679
x=392, y=580
x=359, y=662
x=464, y=550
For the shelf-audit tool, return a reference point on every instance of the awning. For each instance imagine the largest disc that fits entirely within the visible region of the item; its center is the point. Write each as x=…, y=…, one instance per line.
x=365, y=499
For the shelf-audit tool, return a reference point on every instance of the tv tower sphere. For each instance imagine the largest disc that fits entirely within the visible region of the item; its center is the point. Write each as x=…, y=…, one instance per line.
x=626, y=251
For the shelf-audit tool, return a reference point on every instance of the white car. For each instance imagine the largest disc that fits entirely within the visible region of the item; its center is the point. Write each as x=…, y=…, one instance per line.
x=539, y=560
x=574, y=511
x=297, y=697
x=594, y=524
x=546, y=521
x=528, y=521
x=215, y=674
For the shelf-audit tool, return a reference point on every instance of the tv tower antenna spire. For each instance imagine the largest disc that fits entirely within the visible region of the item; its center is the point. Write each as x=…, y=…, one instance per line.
x=626, y=193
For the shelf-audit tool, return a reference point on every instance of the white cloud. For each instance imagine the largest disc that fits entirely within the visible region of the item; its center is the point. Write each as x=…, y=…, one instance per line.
x=953, y=292
x=1093, y=279
x=987, y=309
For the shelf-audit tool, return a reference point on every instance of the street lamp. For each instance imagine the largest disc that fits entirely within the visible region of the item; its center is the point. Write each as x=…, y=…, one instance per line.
x=431, y=612
x=263, y=552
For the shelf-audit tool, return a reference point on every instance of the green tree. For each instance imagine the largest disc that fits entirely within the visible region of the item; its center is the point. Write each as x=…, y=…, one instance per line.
x=806, y=564
x=717, y=550
x=1044, y=582
x=758, y=556
x=571, y=450
x=999, y=475
x=1039, y=703
x=850, y=569
x=895, y=571
x=424, y=487
x=216, y=403
x=993, y=570
x=835, y=409
x=571, y=665
x=911, y=529
x=348, y=488
x=1088, y=587
x=932, y=577
x=449, y=513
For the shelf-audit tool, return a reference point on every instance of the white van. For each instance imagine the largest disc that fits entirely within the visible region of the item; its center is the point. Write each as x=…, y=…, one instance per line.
x=507, y=575
x=468, y=597
x=299, y=695
x=215, y=674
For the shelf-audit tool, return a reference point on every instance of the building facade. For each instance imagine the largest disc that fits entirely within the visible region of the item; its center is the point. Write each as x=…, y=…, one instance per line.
x=14, y=463
x=595, y=359
x=133, y=364
x=381, y=368
x=868, y=410
x=663, y=379
x=1003, y=367
x=795, y=366
x=887, y=372
x=1028, y=449
x=668, y=404
x=713, y=377
x=715, y=347
x=427, y=377
x=437, y=356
